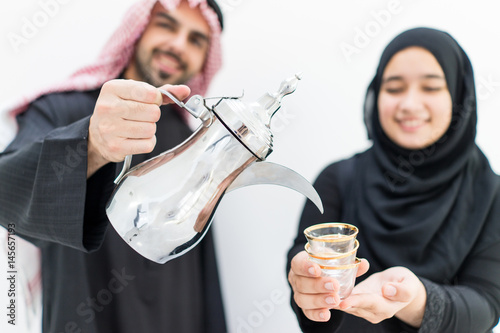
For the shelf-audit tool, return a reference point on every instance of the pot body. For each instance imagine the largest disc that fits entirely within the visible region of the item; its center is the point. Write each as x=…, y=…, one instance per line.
x=164, y=206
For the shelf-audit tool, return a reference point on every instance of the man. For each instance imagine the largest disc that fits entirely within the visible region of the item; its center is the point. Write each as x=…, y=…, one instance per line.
x=58, y=173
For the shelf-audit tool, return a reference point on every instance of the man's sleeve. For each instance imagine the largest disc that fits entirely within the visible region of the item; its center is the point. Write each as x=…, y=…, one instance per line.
x=44, y=191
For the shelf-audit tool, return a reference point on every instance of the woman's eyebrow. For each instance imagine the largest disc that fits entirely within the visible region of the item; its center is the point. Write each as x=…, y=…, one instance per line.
x=400, y=78
x=392, y=78
x=433, y=76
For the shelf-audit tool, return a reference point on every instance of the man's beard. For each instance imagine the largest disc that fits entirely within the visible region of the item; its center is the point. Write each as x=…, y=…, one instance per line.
x=146, y=73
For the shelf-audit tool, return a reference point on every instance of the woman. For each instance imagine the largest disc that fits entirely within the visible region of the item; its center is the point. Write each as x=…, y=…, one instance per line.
x=425, y=200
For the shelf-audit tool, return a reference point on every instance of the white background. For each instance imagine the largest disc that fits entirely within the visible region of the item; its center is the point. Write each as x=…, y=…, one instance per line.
x=264, y=43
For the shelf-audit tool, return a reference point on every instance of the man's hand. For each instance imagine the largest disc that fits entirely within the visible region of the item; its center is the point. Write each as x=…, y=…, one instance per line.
x=315, y=294
x=124, y=121
x=393, y=292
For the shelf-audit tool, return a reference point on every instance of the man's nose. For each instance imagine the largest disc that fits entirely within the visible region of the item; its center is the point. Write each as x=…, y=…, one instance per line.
x=179, y=42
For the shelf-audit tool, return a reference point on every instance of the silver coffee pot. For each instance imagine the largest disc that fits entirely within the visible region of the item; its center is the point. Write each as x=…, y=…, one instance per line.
x=164, y=206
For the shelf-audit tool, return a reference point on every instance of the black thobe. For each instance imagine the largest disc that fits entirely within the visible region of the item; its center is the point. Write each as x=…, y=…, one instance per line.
x=92, y=280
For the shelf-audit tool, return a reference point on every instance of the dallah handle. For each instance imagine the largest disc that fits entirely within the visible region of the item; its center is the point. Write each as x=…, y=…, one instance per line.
x=126, y=166
x=195, y=106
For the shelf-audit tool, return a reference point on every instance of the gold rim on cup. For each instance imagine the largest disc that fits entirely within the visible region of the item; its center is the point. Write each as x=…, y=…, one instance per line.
x=350, y=266
x=343, y=238
x=341, y=256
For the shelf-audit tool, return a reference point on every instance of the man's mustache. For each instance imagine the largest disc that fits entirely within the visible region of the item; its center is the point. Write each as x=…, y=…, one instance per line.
x=172, y=54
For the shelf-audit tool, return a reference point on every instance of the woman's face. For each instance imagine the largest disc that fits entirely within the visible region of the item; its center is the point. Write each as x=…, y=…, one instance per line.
x=414, y=103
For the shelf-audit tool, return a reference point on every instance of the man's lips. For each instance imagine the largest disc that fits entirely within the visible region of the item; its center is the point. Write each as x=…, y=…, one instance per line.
x=168, y=63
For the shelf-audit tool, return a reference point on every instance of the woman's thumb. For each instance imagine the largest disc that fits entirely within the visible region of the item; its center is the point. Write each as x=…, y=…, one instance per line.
x=389, y=291
x=396, y=292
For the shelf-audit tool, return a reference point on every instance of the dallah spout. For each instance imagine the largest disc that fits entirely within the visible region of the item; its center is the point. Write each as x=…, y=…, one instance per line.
x=275, y=174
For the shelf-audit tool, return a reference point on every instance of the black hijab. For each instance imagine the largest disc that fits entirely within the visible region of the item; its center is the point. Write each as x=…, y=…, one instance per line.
x=423, y=209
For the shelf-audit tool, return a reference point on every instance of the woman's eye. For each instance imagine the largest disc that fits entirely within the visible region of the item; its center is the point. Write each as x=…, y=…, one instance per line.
x=431, y=89
x=394, y=90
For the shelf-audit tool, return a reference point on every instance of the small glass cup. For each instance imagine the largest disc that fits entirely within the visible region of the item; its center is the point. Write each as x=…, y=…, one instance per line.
x=330, y=258
x=345, y=275
x=331, y=237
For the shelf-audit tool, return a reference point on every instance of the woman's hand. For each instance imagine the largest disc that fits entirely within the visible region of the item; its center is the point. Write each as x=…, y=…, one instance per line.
x=393, y=292
x=315, y=294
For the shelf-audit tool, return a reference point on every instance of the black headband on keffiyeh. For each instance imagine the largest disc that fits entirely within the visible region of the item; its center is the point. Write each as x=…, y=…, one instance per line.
x=217, y=11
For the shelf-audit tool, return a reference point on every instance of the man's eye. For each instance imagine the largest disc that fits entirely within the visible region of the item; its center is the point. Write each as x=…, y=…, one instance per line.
x=166, y=25
x=197, y=41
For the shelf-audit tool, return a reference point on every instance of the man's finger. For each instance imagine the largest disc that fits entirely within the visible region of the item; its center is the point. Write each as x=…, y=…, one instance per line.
x=131, y=90
x=140, y=146
x=136, y=130
x=179, y=91
x=136, y=111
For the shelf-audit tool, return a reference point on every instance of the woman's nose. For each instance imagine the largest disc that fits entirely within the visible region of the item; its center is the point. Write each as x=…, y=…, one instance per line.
x=411, y=101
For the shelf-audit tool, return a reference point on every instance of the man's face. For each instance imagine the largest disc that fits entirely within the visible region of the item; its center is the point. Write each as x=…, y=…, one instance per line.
x=173, y=47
